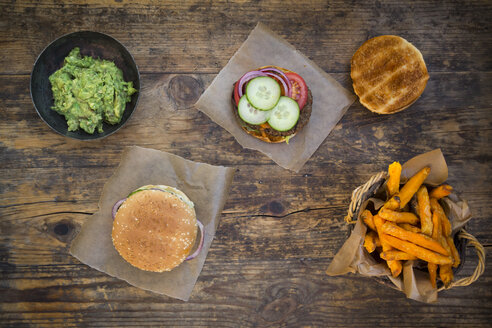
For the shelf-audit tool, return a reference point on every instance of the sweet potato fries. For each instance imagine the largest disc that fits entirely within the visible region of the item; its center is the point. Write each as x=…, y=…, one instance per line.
x=399, y=235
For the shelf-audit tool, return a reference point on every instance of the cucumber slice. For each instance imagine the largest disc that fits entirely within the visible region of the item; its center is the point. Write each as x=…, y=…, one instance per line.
x=285, y=114
x=263, y=92
x=249, y=114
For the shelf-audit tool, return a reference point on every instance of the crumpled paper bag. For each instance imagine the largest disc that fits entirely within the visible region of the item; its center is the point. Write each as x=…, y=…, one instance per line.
x=263, y=47
x=352, y=256
x=206, y=185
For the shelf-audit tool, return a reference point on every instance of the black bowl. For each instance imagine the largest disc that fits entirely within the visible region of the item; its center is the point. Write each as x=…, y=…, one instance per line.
x=94, y=44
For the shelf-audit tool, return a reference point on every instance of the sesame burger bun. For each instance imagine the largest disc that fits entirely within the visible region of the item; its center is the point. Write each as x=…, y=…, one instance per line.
x=264, y=132
x=155, y=228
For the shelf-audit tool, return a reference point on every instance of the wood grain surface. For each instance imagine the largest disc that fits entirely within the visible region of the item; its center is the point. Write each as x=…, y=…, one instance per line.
x=279, y=229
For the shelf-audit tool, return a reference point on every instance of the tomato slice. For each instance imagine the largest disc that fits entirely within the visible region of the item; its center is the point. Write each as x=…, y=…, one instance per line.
x=236, y=93
x=299, y=88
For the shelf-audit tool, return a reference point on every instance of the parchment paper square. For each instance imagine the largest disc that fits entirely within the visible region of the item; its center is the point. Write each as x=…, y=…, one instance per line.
x=263, y=47
x=206, y=185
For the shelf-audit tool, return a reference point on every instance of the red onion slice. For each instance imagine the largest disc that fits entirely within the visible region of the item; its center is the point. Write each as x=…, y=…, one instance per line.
x=116, y=206
x=282, y=75
x=200, y=246
x=246, y=77
x=286, y=89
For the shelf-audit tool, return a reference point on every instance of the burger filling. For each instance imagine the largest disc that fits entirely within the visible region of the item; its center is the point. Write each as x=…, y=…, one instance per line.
x=272, y=103
x=168, y=189
x=304, y=116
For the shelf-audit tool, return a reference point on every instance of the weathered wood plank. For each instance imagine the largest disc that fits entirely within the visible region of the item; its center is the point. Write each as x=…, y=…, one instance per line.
x=450, y=117
x=198, y=36
x=300, y=295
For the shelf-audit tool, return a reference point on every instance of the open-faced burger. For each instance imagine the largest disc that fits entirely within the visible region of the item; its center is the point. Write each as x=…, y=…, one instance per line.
x=272, y=103
x=155, y=228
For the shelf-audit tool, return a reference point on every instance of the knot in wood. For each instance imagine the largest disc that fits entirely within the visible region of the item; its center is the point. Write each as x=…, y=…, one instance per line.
x=279, y=309
x=61, y=229
x=184, y=91
x=284, y=298
x=276, y=207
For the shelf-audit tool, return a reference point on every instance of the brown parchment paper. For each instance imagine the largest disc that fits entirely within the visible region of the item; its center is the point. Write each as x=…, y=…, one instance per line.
x=206, y=185
x=352, y=256
x=263, y=47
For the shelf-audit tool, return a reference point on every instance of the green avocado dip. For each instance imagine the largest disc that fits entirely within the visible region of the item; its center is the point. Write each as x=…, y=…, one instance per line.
x=88, y=91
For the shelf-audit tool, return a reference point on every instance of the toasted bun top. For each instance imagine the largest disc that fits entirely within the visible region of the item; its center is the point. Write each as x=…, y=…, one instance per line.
x=155, y=230
x=388, y=74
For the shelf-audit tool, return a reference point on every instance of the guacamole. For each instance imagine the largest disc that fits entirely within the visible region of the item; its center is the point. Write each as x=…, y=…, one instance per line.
x=88, y=91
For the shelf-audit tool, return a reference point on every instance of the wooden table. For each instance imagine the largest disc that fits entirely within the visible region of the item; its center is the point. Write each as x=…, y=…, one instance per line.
x=279, y=229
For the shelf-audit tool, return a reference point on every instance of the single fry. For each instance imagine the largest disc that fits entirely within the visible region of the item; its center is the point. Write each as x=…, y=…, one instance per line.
x=398, y=217
x=454, y=252
x=441, y=191
x=393, y=183
x=378, y=222
x=394, y=266
x=410, y=227
x=416, y=238
x=442, y=240
x=446, y=274
x=417, y=251
x=370, y=241
x=378, y=242
x=368, y=220
x=412, y=185
x=392, y=204
x=424, y=211
x=436, y=234
x=432, y=267
x=396, y=256
x=446, y=225
x=436, y=226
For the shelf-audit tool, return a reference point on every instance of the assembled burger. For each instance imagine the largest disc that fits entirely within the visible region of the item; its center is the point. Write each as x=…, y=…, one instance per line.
x=272, y=103
x=155, y=228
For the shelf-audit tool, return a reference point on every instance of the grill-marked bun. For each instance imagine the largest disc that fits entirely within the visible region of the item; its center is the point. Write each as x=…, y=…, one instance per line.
x=388, y=74
x=155, y=230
